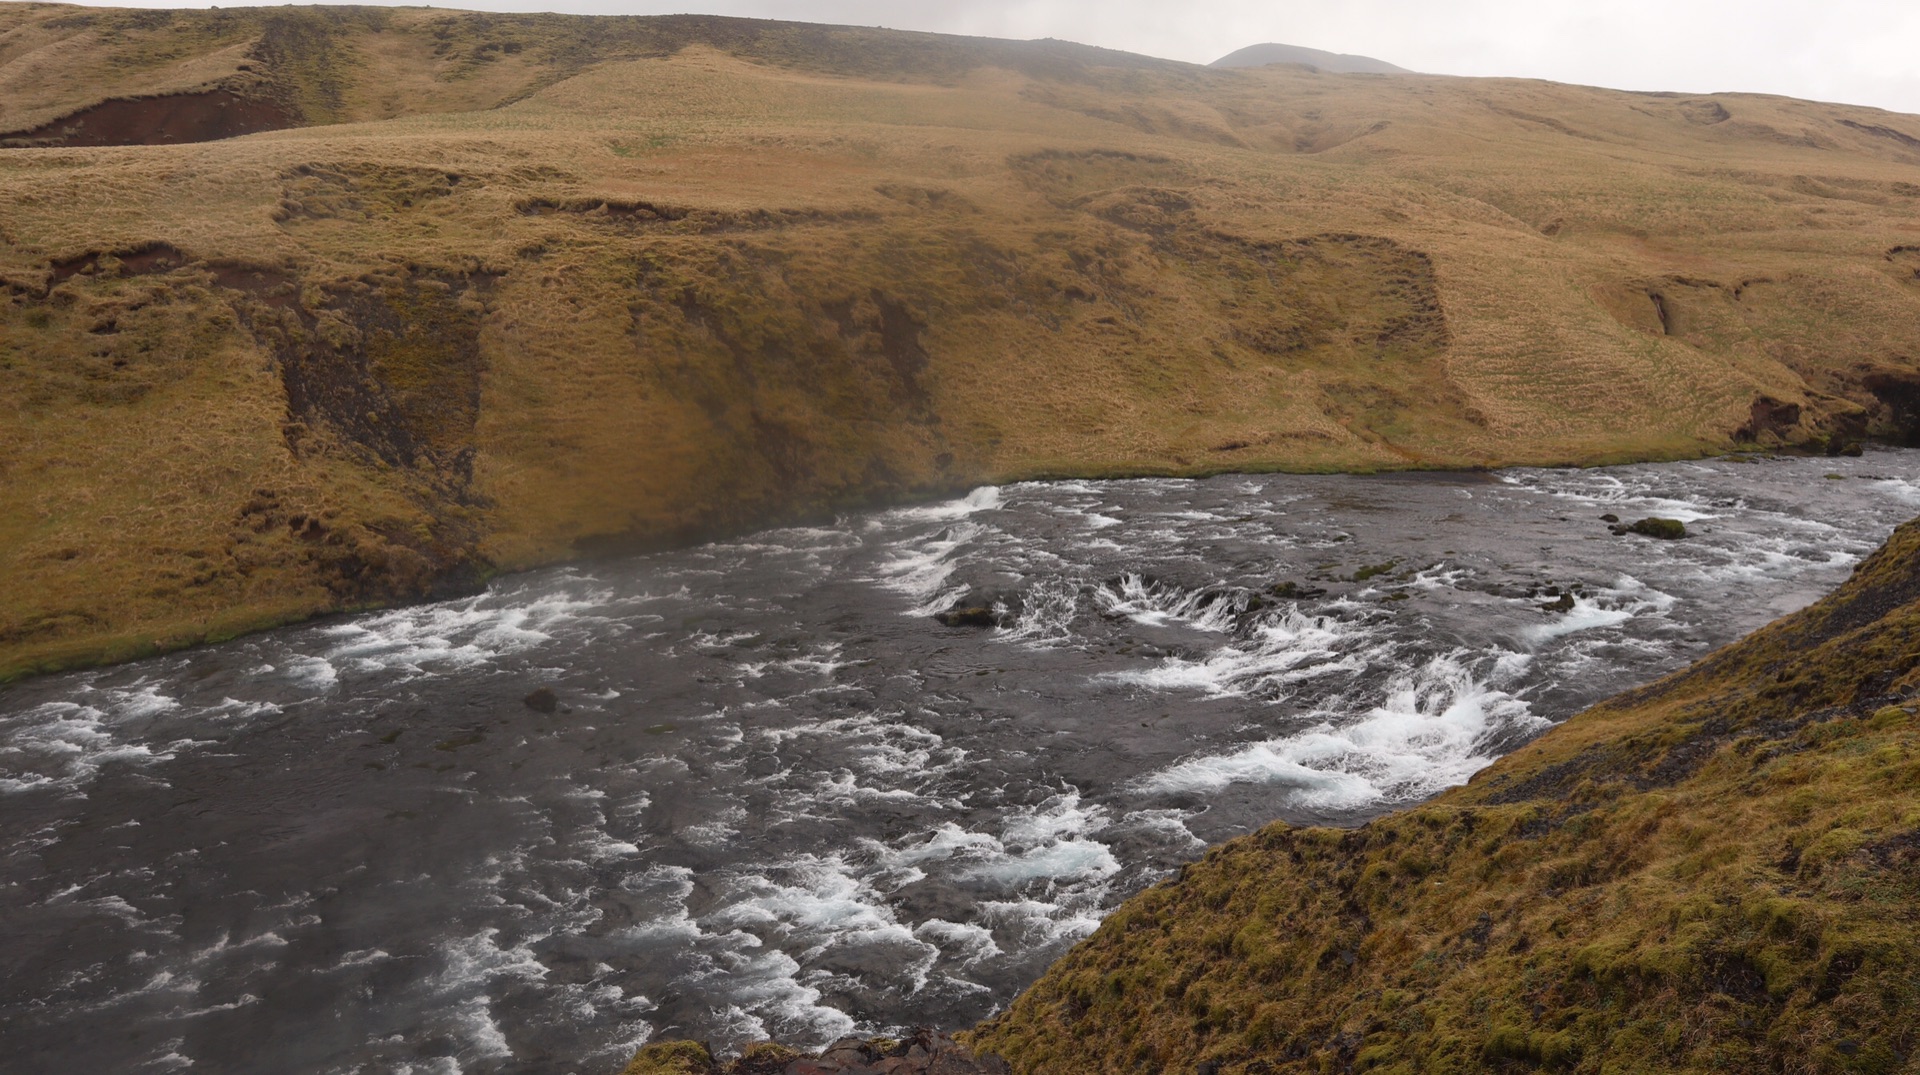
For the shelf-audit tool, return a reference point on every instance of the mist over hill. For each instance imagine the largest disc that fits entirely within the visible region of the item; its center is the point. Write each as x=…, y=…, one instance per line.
x=1333, y=62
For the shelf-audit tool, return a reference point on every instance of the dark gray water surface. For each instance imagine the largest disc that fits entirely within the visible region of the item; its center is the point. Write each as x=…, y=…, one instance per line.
x=778, y=798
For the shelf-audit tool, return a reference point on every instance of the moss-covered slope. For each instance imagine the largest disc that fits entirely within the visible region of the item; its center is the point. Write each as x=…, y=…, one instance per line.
x=482, y=292
x=1717, y=872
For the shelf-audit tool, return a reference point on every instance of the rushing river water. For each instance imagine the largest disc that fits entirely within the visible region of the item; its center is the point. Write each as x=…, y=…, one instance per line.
x=777, y=798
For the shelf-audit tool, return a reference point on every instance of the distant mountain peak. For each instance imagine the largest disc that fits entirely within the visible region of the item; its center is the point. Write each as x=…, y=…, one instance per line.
x=1336, y=62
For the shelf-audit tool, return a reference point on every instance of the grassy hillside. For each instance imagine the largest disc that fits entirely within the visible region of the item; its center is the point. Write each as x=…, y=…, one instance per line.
x=1717, y=872
x=483, y=291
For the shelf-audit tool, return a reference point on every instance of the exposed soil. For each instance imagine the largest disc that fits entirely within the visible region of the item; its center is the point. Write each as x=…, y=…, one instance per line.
x=138, y=260
x=1899, y=394
x=1769, y=416
x=386, y=371
x=149, y=121
x=391, y=363
x=1663, y=312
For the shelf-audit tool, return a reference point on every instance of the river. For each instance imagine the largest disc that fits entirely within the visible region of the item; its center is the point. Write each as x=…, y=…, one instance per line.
x=775, y=797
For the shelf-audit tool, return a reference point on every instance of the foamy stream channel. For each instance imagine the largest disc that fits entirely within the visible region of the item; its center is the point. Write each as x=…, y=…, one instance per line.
x=779, y=799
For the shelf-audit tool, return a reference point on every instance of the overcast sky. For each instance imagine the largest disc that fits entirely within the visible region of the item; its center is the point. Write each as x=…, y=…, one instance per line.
x=1857, y=51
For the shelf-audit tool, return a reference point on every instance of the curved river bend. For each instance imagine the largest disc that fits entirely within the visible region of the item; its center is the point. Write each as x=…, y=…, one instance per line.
x=777, y=798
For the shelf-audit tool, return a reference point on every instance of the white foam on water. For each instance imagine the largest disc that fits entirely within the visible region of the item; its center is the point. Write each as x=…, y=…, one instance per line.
x=1283, y=649
x=313, y=673
x=473, y=1018
x=138, y=701
x=65, y=744
x=461, y=634
x=600, y=847
x=1047, y=610
x=245, y=1000
x=1068, y=860
x=1901, y=489
x=965, y=942
x=1158, y=604
x=1627, y=599
x=1634, y=493
x=162, y=983
x=1040, y=924
x=716, y=830
x=823, y=661
x=920, y=571
x=820, y=900
x=984, y=498
x=1584, y=616
x=1171, y=825
x=768, y=1000
x=1436, y=726
x=875, y=746
x=944, y=842
x=439, y=1065
x=477, y=960
x=471, y=965
x=171, y=1060
x=360, y=957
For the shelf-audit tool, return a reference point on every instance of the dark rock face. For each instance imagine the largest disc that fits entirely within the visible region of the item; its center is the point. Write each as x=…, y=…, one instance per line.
x=924, y=1052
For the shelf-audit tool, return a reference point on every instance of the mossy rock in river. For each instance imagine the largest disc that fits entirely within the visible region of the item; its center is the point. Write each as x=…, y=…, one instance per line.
x=970, y=616
x=1655, y=527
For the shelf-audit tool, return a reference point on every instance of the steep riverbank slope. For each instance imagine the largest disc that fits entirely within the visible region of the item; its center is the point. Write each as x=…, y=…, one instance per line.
x=1714, y=872
x=477, y=292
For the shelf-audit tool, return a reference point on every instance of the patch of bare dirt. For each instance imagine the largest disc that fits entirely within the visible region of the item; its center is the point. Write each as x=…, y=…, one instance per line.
x=1898, y=395
x=206, y=116
x=139, y=260
x=1768, y=417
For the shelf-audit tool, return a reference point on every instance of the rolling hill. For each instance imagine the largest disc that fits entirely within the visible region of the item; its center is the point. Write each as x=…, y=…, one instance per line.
x=309, y=309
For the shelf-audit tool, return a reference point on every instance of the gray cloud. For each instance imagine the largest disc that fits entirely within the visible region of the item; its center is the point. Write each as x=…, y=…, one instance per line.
x=1837, y=50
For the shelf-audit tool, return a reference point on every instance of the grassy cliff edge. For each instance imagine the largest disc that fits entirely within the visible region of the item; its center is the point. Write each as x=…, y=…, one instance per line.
x=1716, y=872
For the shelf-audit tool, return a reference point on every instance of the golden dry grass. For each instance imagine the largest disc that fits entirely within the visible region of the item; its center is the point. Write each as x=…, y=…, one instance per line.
x=528, y=286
